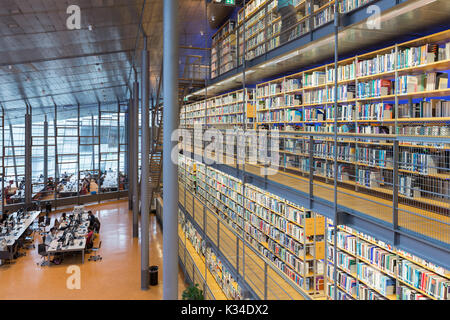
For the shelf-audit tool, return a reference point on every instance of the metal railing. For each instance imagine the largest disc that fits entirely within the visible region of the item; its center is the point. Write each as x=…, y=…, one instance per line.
x=251, y=268
x=384, y=177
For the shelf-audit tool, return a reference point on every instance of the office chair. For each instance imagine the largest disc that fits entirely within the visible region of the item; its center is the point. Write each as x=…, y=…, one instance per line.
x=96, y=257
x=42, y=251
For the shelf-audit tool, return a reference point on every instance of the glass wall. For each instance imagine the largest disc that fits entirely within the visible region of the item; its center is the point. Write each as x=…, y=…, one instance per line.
x=14, y=160
x=76, y=152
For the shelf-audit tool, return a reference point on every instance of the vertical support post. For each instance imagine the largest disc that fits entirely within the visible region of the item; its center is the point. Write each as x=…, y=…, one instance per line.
x=78, y=153
x=170, y=169
x=145, y=211
x=45, y=152
x=265, y=280
x=129, y=151
x=395, y=193
x=335, y=205
x=28, y=184
x=99, y=126
x=135, y=158
x=3, y=161
x=55, y=128
x=92, y=142
x=311, y=171
x=118, y=150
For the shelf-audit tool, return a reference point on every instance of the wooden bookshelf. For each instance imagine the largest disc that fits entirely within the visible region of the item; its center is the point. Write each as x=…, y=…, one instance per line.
x=253, y=217
x=316, y=116
x=393, y=274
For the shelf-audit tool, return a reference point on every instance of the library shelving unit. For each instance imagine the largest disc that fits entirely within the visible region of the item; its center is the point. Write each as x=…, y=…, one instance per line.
x=368, y=269
x=260, y=22
x=223, y=49
x=224, y=286
x=397, y=91
x=400, y=90
x=223, y=111
x=289, y=236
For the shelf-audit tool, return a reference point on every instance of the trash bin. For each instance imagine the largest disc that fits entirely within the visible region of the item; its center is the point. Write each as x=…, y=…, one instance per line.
x=153, y=275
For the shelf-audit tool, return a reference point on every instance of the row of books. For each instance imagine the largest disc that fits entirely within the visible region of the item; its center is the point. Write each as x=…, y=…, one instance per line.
x=262, y=224
x=424, y=280
x=432, y=109
x=419, y=83
x=345, y=72
x=375, y=255
x=376, y=279
x=419, y=162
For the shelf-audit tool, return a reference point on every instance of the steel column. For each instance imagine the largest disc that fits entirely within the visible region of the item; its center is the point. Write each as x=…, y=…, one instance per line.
x=129, y=157
x=55, y=128
x=3, y=161
x=170, y=169
x=118, y=150
x=145, y=211
x=78, y=154
x=395, y=194
x=135, y=158
x=335, y=204
x=99, y=127
x=311, y=171
x=45, y=152
x=28, y=185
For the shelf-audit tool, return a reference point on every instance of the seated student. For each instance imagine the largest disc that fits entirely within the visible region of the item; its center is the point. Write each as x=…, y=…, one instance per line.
x=57, y=224
x=90, y=238
x=49, y=238
x=91, y=218
x=63, y=222
x=57, y=259
x=96, y=225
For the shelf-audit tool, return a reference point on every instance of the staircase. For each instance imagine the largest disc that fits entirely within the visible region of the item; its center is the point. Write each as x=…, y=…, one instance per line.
x=156, y=155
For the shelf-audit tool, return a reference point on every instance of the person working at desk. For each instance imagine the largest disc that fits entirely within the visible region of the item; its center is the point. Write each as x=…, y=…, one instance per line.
x=288, y=19
x=90, y=238
x=63, y=222
x=48, y=240
x=94, y=222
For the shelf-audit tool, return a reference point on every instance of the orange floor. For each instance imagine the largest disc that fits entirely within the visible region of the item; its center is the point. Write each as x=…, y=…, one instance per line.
x=117, y=276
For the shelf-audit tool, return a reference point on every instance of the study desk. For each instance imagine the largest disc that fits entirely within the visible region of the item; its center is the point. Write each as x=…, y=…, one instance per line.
x=78, y=244
x=20, y=227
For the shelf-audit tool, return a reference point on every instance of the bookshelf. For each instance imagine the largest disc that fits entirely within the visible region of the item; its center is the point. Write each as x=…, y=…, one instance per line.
x=221, y=275
x=235, y=108
x=223, y=49
x=368, y=269
x=400, y=90
x=290, y=237
x=261, y=23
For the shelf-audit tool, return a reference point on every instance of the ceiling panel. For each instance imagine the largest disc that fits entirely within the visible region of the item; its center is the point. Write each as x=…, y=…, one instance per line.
x=42, y=63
